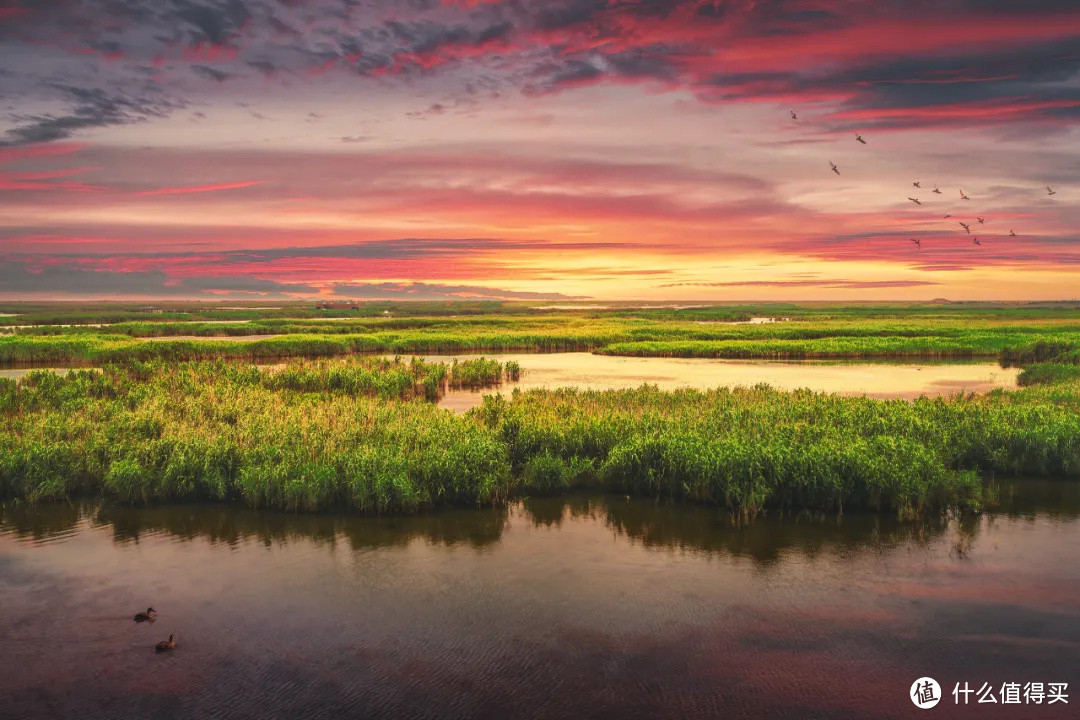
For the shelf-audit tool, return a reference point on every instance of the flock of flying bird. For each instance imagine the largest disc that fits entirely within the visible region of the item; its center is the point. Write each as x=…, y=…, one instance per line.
x=937, y=191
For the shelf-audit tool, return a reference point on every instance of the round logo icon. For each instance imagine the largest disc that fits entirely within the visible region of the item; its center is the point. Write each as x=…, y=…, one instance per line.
x=925, y=693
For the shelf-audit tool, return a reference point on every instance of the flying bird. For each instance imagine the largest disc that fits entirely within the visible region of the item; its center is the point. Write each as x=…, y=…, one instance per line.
x=976, y=241
x=963, y=196
x=916, y=184
x=834, y=168
x=981, y=221
x=915, y=200
x=859, y=138
x=946, y=217
x=918, y=243
x=1050, y=190
x=1012, y=233
x=936, y=191
x=794, y=116
x=966, y=227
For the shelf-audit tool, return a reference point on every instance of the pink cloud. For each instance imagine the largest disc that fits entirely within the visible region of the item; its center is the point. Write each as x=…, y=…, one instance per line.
x=190, y=189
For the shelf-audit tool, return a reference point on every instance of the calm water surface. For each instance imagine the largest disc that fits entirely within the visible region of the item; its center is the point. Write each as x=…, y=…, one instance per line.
x=602, y=372
x=587, y=607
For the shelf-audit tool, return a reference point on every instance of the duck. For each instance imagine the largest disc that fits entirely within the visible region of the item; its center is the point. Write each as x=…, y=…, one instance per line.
x=165, y=645
x=150, y=614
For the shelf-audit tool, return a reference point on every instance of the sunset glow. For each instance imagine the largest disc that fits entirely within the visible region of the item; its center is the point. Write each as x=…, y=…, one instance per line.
x=527, y=149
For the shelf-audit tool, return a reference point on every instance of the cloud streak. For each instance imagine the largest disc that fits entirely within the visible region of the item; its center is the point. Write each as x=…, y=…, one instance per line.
x=192, y=189
x=832, y=284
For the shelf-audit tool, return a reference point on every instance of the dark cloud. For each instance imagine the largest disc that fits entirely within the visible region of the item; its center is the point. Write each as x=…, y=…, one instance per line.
x=265, y=67
x=542, y=46
x=424, y=38
x=69, y=279
x=559, y=16
x=90, y=108
x=211, y=73
x=243, y=283
x=217, y=23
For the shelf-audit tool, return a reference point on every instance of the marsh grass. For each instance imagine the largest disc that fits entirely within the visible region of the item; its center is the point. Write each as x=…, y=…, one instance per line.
x=362, y=434
x=1015, y=341
x=1048, y=373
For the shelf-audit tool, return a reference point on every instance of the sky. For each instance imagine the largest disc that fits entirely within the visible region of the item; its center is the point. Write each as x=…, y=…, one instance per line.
x=540, y=149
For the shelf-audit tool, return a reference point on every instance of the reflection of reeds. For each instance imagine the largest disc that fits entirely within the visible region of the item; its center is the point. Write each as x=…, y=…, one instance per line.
x=682, y=527
x=230, y=524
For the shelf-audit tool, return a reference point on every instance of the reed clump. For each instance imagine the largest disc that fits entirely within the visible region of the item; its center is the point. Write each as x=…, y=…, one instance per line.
x=306, y=438
x=751, y=449
x=1048, y=373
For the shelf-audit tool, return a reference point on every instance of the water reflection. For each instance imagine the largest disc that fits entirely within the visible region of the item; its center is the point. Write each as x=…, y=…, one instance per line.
x=908, y=380
x=586, y=371
x=587, y=606
x=231, y=525
x=651, y=524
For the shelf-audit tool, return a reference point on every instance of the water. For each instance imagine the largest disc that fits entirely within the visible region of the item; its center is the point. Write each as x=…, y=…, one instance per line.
x=16, y=373
x=579, y=607
x=603, y=372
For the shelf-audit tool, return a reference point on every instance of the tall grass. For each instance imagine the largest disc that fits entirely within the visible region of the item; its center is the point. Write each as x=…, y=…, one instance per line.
x=756, y=448
x=1048, y=373
x=361, y=434
x=213, y=431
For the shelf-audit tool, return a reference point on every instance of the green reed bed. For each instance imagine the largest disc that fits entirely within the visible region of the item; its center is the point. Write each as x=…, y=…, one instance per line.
x=362, y=434
x=757, y=448
x=1048, y=373
x=970, y=345
x=298, y=438
x=1014, y=341
x=475, y=373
